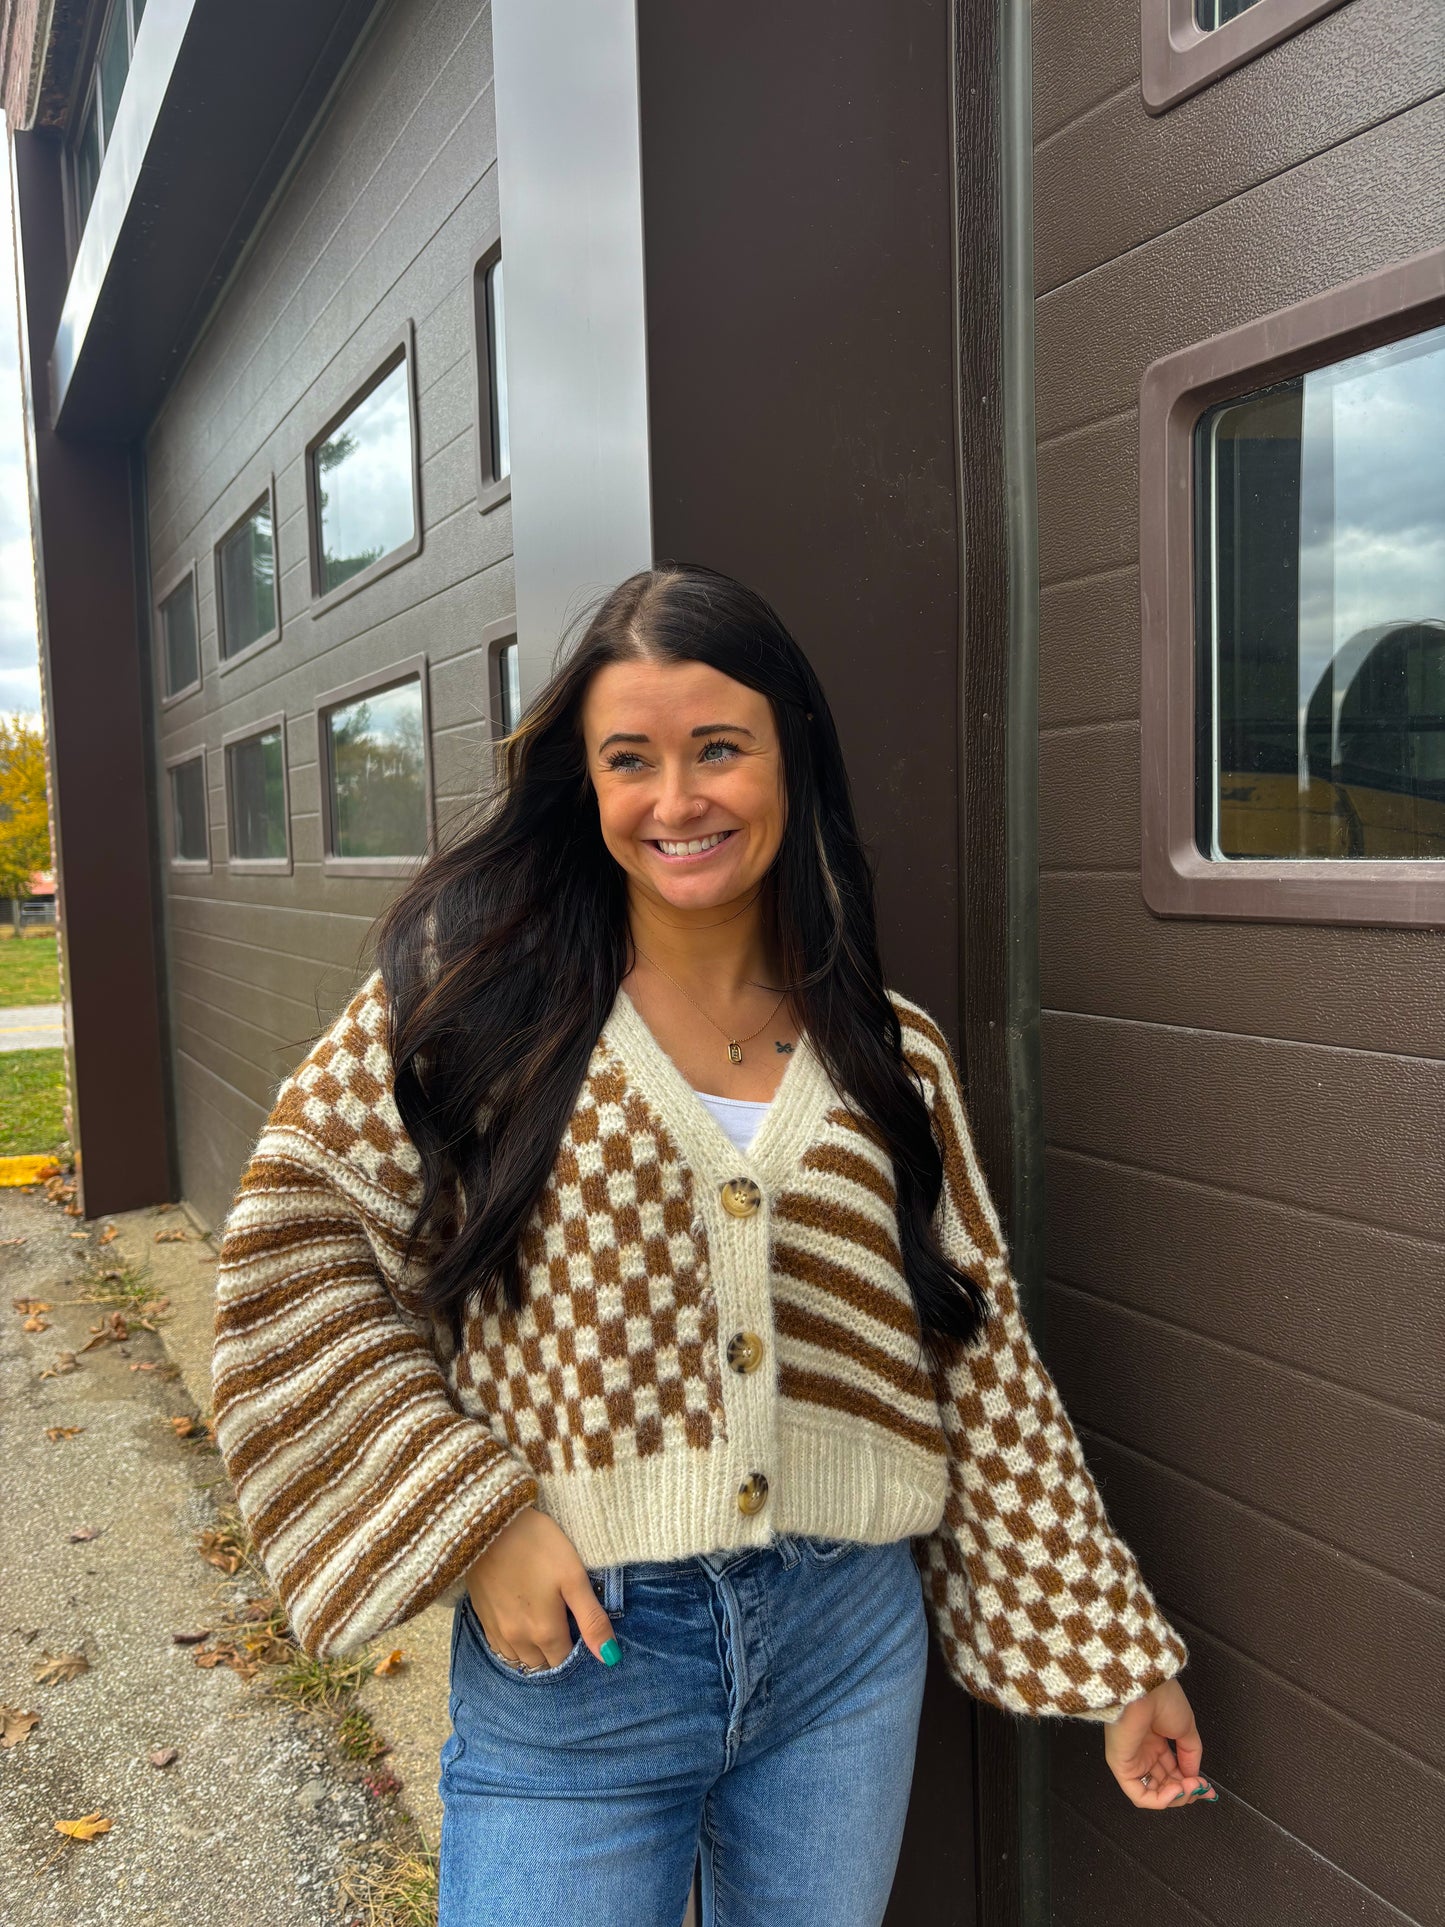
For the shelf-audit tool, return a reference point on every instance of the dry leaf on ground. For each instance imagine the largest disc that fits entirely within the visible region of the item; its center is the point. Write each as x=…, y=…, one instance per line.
x=29, y=1305
x=55, y=1433
x=163, y=1756
x=217, y=1550
x=86, y=1828
x=36, y=1324
x=107, y=1235
x=191, y=1639
x=110, y=1331
x=175, y=1236
x=394, y=1662
x=65, y=1362
x=83, y=1533
x=184, y=1426
x=57, y=1667
x=15, y=1725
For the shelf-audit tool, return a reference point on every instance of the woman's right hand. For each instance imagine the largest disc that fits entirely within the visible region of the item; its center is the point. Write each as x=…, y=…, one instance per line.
x=521, y=1587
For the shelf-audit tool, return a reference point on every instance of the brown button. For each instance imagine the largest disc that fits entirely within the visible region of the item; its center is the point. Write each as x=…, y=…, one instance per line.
x=745, y=1351
x=753, y=1493
x=741, y=1197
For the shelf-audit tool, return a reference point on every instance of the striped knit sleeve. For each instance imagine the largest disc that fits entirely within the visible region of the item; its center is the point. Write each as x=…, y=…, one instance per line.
x=367, y=1491
x=1038, y=1606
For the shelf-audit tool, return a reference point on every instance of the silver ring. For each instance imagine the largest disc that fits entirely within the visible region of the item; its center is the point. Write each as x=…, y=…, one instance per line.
x=1144, y=1779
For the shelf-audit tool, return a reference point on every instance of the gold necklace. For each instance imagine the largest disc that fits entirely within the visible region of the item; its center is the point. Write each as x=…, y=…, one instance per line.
x=735, y=1044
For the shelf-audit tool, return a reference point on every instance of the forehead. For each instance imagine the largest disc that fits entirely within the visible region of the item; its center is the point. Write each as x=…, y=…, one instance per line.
x=657, y=699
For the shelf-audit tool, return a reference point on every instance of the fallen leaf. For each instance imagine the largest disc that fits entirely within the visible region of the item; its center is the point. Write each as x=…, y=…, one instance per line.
x=108, y=1235
x=184, y=1426
x=152, y=1367
x=112, y=1330
x=381, y=1784
x=394, y=1662
x=154, y=1305
x=55, y=1433
x=163, y=1207
x=36, y=1325
x=163, y=1756
x=191, y=1639
x=175, y=1236
x=75, y=1214
x=7, y=1242
x=28, y=1305
x=82, y=1534
x=65, y=1362
x=85, y=1828
x=216, y=1550
x=56, y=1668
x=16, y=1726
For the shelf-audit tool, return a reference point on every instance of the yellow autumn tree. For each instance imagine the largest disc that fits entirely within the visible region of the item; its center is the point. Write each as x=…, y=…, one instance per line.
x=24, y=815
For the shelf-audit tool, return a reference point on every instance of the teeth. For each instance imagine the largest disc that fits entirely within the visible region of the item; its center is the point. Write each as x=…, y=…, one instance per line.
x=691, y=849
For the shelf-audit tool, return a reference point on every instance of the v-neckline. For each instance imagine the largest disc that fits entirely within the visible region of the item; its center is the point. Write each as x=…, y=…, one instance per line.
x=793, y=1111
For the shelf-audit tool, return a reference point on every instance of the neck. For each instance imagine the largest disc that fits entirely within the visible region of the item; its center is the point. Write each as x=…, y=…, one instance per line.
x=722, y=950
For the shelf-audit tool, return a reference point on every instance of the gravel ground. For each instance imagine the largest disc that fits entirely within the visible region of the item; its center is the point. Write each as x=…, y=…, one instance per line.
x=253, y=1823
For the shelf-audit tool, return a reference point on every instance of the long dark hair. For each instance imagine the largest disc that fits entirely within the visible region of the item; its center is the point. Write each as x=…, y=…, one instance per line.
x=502, y=958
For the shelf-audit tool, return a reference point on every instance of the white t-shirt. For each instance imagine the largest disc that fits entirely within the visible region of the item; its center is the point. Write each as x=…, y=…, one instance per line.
x=739, y=1116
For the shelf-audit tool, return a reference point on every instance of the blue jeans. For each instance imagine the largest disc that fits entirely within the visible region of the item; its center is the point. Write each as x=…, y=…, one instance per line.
x=765, y=1705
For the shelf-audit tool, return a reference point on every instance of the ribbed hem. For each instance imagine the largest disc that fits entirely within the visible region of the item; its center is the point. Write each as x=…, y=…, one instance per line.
x=829, y=1484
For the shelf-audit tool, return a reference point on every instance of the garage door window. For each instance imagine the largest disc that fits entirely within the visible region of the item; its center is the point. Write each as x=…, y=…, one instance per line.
x=256, y=800
x=377, y=774
x=361, y=478
x=190, y=842
x=180, y=641
x=246, y=582
x=1321, y=551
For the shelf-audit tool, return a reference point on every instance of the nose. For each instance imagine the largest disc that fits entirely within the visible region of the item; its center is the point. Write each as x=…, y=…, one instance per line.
x=677, y=804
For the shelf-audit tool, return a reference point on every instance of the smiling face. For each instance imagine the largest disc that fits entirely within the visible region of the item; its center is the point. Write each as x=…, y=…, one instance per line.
x=689, y=779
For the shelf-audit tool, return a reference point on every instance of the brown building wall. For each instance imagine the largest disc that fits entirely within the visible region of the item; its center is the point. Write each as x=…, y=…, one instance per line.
x=1245, y=1212
x=376, y=230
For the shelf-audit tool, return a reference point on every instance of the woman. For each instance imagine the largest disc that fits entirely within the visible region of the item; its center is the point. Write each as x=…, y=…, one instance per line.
x=619, y=1269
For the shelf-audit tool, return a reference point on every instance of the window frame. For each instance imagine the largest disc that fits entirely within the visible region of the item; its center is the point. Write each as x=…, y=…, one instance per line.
x=410, y=668
x=492, y=490
x=1177, y=57
x=254, y=499
x=163, y=596
x=400, y=348
x=257, y=865
x=192, y=865
x=1389, y=305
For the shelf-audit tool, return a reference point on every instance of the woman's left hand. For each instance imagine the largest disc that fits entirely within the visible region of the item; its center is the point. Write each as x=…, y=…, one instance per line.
x=1154, y=1750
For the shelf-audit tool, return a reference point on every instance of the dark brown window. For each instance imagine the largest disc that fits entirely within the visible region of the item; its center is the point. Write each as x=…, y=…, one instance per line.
x=1185, y=44
x=104, y=86
x=1292, y=556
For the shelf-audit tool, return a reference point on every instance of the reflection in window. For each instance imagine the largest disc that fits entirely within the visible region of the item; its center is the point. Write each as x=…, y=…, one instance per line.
x=1214, y=13
x=1321, y=612
x=248, y=581
x=256, y=792
x=180, y=646
x=363, y=483
x=188, y=811
x=376, y=768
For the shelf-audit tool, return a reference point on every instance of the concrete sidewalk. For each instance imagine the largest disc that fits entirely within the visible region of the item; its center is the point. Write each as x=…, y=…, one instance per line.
x=32, y=1027
x=259, y=1813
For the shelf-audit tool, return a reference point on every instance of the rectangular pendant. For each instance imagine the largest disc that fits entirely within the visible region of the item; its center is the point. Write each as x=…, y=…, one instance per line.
x=735, y=1052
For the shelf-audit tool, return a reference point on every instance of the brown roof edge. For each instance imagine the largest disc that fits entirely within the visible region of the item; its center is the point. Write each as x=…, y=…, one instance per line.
x=40, y=46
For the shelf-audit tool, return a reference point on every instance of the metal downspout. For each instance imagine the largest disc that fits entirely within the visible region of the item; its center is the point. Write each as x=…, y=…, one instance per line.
x=1016, y=292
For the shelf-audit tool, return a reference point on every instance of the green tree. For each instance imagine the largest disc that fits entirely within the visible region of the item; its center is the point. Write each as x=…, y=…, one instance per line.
x=24, y=812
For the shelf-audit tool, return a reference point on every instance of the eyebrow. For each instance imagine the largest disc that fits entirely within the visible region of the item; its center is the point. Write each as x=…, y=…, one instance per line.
x=703, y=729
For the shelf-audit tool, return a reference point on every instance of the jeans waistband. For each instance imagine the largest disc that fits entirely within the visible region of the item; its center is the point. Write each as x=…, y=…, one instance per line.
x=611, y=1581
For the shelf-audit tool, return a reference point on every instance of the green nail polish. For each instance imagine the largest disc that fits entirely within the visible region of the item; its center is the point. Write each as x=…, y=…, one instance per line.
x=611, y=1652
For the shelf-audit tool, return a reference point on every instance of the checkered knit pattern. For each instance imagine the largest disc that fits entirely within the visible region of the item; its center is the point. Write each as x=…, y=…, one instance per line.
x=374, y=1461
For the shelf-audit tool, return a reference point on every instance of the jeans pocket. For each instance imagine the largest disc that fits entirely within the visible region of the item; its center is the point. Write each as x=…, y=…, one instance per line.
x=494, y=1659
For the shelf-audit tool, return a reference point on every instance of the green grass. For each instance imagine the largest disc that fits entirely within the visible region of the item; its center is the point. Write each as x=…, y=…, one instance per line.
x=29, y=971
x=32, y=1101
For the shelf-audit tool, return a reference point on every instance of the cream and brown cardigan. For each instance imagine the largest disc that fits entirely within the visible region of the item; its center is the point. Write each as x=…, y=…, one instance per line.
x=716, y=1346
